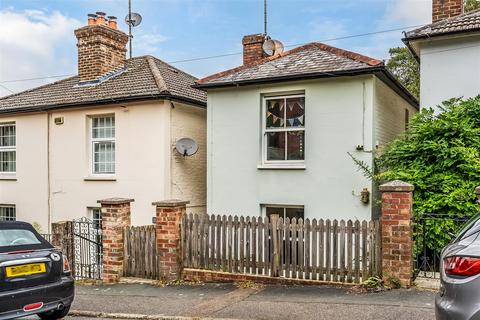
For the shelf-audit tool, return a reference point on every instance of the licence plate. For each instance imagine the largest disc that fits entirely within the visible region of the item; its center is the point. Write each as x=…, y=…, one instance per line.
x=25, y=269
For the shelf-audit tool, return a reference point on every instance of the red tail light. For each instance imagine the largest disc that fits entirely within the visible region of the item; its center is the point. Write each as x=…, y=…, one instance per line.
x=33, y=306
x=462, y=266
x=66, y=265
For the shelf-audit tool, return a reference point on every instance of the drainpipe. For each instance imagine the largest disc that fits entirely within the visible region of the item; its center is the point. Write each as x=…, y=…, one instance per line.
x=49, y=197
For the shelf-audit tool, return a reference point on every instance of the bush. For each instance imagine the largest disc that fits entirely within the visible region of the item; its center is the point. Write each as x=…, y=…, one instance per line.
x=440, y=156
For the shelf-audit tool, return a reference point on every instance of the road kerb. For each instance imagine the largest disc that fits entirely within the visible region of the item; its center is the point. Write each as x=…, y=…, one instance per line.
x=96, y=314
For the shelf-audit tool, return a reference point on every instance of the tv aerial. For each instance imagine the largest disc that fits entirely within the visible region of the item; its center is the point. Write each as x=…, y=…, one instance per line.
x=132, y=19
x=270, y=47
x=186, y=147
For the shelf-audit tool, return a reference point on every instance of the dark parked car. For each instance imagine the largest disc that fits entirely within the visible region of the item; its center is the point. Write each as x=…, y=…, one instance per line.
x=459, y=296
x=34, y=276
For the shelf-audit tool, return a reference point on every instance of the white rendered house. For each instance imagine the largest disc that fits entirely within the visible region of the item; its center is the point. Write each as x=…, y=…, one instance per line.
x=280, y=129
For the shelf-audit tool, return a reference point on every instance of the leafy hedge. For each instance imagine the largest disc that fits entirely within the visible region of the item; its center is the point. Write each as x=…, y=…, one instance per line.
x=440, y=156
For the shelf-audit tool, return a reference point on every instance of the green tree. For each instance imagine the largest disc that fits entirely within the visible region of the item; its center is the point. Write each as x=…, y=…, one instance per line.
x=405, y=68
x=440, y=156
x=470, y=5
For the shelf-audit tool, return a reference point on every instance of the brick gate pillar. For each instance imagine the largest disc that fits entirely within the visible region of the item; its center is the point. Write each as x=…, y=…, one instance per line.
x=169, y=215
x=62, y=238
x=115, y=216
x=397, y=234
x=477, y=191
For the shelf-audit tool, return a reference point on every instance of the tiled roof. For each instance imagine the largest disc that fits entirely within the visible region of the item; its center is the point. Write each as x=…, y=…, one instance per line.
x=312, y=58
x=468, y=22
x=145, y=77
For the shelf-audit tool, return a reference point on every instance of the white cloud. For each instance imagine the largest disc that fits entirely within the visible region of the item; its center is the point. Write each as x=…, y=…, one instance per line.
x=35, y=43
x=322, y=29
x=409, y=12
x=147, y=43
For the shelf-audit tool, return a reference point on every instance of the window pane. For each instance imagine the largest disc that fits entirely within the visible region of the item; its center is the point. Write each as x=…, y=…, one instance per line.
x=296, y=112
x=7, y=135
x=104, y=157
x=103, y=127
x=275, y=145
x=275, y=210
x=294, y=213
x=7, y=161
x=296, y=145
x=275, y=113
x=8, y=213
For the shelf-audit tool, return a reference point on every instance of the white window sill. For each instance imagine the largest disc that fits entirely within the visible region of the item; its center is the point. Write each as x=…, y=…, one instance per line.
x=100, y=178
x=8, y=176
x=282, y=166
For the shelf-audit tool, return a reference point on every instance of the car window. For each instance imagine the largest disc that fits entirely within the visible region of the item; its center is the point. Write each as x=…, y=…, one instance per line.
x=472, y=227
x=17, y=237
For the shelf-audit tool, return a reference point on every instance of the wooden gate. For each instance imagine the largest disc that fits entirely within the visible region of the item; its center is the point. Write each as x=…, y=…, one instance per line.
x=338, y=251
x=140, y=252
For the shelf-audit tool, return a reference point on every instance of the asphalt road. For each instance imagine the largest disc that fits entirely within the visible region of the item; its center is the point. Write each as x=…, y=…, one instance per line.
x=264, y=303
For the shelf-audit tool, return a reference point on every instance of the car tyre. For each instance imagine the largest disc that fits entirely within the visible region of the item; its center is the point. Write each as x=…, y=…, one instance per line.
x=54, y=314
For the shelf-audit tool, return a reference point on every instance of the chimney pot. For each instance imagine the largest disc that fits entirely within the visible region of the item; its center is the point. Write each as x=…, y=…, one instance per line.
x=253, y=48
x=112, y=22
x=100, y=17
x=91, y=19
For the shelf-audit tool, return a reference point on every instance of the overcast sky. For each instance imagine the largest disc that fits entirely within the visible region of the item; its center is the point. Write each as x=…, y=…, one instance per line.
x=37, y=37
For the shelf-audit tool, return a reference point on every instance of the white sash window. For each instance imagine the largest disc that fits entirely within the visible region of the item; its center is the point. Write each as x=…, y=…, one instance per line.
x=103, y=145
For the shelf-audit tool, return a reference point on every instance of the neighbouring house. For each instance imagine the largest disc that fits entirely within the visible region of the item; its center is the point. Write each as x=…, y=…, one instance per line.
x=448, y=51
x=280, y=129
x=110, y=131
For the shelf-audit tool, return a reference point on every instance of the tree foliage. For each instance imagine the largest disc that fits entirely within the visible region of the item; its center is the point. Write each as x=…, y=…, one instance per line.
x=470, y=5
x=440, y=156
x=405, y=68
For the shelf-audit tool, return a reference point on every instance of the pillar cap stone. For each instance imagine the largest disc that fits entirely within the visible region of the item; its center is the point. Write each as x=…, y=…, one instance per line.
x=477, y=191
x=170, y=203
x=397, y=186
x=115, y=201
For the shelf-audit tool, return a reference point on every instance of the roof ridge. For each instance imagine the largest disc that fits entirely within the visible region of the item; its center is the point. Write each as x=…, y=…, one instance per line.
x=339, y=52
x=173, y=67
x=157, y=76
x=349, y=54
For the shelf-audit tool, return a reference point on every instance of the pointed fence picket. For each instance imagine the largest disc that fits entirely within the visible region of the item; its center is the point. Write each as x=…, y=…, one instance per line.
x=329, y=250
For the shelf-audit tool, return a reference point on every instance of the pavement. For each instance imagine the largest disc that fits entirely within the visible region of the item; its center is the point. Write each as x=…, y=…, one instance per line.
x=227, y=301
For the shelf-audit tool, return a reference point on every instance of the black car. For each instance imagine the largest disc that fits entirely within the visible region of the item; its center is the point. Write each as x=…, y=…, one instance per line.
x=35, y=277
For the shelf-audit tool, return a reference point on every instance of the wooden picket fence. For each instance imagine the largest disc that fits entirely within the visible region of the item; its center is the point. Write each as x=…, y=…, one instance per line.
x=140, y=252
x=336, y=251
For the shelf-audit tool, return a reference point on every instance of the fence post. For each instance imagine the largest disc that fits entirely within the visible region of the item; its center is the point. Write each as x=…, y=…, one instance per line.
x=168, y=228
x=115, y=216
x=62, y=238
x=275, y=241
x=396, y=226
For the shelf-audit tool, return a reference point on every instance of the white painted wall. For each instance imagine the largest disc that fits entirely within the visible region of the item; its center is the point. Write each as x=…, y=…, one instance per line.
x=145, y=162
x=189, y=174
x=339, y=116
x=449, y=68
x=389, y=113
x=28, y=190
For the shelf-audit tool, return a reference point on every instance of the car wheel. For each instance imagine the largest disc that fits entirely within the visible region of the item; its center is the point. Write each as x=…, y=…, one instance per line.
x=54, y=314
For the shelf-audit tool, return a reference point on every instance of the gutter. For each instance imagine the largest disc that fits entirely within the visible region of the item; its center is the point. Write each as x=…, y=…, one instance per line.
x=193, y=102
x=379, y=71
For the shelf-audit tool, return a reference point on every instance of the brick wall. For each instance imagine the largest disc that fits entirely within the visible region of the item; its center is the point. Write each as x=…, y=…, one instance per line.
x=169, y=215
x=396, y=225
x=252, y=48
x=444, y=9
x=101, y=49
x=115, y=216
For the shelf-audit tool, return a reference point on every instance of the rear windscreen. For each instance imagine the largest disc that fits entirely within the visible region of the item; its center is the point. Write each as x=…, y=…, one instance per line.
x=17, y=237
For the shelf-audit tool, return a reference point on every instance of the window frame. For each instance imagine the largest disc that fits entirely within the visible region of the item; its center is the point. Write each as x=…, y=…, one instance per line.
x=93, y=141
x=280, y=163
x=281, y=206
x=10, y=148
x=8, y=206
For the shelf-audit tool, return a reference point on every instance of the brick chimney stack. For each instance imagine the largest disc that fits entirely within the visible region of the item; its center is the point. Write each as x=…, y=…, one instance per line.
x=252, y=48
x=101, y=47
x=444, y=9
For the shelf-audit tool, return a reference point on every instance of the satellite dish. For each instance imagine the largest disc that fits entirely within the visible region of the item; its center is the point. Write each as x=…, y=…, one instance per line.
x=272, y=47
x=135, y=19
x=186, y=147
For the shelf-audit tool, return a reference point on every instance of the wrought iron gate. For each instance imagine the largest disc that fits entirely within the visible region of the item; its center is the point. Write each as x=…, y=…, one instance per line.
x=432, y=232
x=87, y=248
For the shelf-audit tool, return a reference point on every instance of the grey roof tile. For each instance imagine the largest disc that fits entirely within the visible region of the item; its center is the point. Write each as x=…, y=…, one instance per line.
x=136, y=82
x=467, y=22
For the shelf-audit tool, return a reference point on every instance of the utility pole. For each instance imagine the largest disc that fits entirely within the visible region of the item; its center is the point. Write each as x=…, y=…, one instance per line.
x=265, y=17
x=130, y=27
